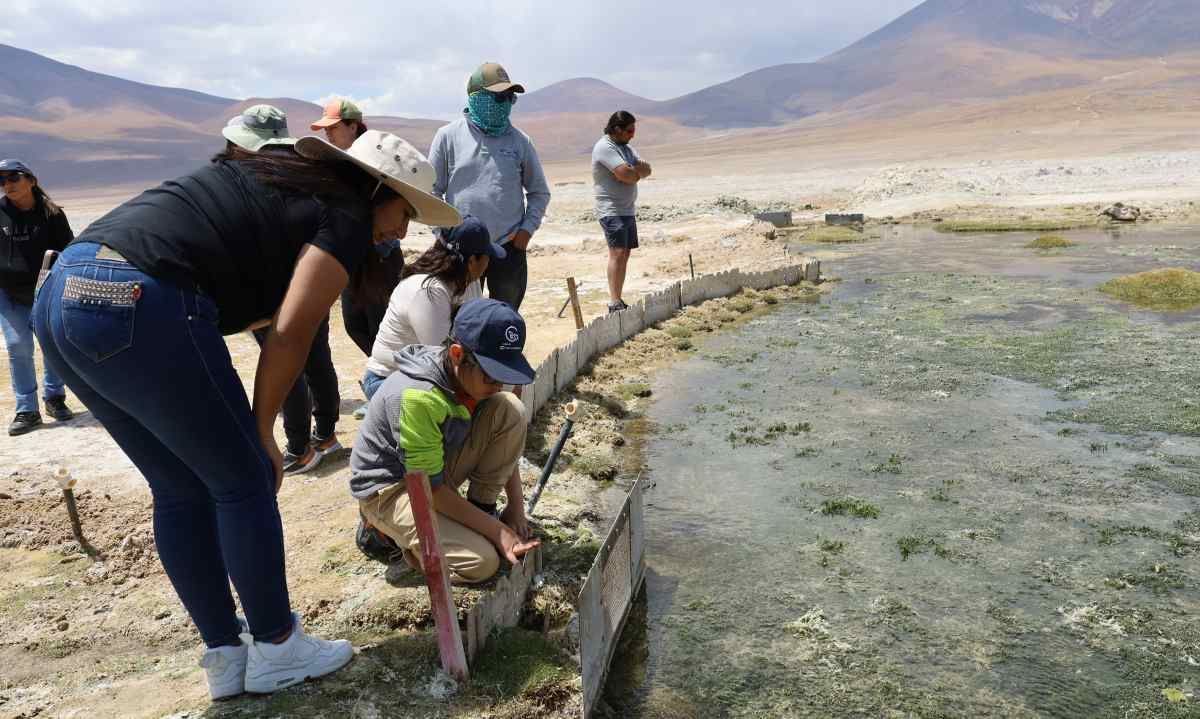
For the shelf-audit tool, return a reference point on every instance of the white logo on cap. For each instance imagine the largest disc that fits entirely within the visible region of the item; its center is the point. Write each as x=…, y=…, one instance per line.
x=512, y=334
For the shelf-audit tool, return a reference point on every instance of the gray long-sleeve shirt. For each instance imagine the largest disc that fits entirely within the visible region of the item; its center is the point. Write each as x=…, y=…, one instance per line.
x=497, y=179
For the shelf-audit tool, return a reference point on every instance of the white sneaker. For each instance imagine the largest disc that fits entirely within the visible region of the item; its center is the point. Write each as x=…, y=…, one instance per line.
x=225, y=667
x=226, y=670
x=274, y=666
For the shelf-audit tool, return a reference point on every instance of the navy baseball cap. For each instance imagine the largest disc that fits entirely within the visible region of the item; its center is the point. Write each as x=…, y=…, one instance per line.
x=495, y=334
x=469, y=238
x=12, y=165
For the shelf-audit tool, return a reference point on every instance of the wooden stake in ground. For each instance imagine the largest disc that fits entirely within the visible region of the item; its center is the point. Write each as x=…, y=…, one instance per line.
x=692, y=266
x=574, y=297
x=67, y=485
x=437, y=576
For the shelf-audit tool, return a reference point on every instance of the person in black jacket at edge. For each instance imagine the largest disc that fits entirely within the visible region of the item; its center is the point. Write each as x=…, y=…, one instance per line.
x=30, y=224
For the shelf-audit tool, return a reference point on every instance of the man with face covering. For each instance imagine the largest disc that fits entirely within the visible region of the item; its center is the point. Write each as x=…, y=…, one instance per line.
x=490, y=169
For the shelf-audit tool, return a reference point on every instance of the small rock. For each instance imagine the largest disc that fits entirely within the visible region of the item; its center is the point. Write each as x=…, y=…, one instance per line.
x=5, y=495
x=97, y=572
x=63, y=626
x=162, y=615
x=1123, y=213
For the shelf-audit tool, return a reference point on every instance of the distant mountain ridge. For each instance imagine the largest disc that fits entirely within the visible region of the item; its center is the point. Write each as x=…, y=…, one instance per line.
x=941, y=49
x=36, y=86
x=79, y=127
x=582, y=94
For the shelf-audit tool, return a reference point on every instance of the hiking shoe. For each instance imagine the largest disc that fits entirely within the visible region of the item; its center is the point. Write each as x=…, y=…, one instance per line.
x=57, y=408
x=401, y=571
x=617, y=306
x=271, y=667
x=327, y=446
x=225, y=668
x=300, y=463
x=24, y=422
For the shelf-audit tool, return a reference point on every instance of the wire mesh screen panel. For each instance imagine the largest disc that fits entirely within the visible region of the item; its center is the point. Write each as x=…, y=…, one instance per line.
x=616, y=577
x=608, y=593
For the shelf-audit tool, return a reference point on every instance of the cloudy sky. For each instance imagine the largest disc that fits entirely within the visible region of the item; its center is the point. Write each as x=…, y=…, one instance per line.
x=401, y=57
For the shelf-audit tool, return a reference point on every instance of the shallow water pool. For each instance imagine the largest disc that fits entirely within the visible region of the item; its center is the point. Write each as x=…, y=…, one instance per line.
x=965, y=487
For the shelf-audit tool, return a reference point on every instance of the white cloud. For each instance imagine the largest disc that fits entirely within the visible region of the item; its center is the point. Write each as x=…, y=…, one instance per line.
x=413, y=59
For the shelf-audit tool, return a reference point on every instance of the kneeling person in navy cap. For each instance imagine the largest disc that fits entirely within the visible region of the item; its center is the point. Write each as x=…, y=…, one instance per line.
x=443, y=413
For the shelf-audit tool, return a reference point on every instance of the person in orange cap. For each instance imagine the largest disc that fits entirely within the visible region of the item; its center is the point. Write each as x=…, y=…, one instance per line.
x=342, y=122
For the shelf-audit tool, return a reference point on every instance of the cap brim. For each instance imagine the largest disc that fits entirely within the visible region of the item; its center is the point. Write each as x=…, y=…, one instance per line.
x=430, y=210
x=505, y=87
x=324, y=122
x=248, y=140
x=519, y=373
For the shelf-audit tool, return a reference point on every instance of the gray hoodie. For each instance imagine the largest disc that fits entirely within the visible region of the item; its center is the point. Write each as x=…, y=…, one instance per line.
x=413, y=423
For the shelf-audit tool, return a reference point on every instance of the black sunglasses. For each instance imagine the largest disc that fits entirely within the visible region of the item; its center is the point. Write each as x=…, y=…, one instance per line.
x=508, y=96
x=11, y=177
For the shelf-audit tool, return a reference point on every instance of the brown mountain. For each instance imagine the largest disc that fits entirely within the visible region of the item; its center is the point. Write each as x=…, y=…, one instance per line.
x=582, y=94
x=941, y=51
x=81, y=128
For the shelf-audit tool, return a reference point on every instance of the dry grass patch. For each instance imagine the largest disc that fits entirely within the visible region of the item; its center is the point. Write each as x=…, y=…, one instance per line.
x=834, y=235
x=1014, y=225
x=1050, y=242
x=1171, y=289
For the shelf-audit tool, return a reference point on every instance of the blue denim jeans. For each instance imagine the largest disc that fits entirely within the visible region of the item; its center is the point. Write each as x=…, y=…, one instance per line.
x=18, y=337
x=146, y=357
x=371, y=383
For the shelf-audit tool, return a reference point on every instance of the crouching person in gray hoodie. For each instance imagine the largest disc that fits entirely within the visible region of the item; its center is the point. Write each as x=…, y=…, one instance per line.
x=443, y=413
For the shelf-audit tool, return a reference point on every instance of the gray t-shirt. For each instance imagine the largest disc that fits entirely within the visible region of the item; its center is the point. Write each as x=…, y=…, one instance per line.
x=613, y=197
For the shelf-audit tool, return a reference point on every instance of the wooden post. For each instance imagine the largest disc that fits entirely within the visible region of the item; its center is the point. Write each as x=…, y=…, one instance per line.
x=437, y=576
x=67, y=484
x=575, y=303
x=691, y=266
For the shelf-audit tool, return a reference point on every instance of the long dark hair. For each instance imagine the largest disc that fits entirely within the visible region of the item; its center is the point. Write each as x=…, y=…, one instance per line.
x=446, y=266
x=48, y=204
x=282, y=168
x=619, y=120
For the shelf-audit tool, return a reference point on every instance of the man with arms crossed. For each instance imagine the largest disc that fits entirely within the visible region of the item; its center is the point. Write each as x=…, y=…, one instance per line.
x=616, y=171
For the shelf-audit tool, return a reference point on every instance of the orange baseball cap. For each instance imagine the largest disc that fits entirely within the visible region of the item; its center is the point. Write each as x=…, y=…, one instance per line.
x=335, y=112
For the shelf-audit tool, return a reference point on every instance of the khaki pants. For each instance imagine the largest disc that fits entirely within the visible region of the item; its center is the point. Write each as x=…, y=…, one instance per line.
x=486, y=461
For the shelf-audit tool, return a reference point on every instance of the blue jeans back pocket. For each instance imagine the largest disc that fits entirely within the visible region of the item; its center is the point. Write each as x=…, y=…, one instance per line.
x=97, y=316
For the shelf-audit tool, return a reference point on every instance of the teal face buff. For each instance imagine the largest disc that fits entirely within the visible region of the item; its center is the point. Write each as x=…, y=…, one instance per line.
x=489, y=112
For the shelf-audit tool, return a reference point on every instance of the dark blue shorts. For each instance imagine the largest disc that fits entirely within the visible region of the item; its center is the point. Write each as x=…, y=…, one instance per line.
x=621, y=232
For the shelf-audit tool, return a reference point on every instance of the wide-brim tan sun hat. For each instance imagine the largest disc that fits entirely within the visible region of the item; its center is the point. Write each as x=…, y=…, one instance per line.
x=397, y=164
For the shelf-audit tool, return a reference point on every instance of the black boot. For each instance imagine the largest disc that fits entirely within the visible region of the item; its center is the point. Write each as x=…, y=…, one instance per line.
x=57, y=408
x=24, y=422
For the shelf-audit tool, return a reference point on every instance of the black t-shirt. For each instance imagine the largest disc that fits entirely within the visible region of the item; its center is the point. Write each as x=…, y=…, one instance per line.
x=25, y=235
x=221, y=231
